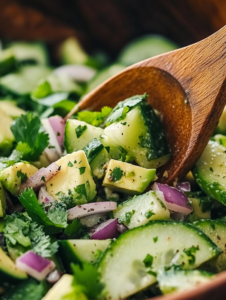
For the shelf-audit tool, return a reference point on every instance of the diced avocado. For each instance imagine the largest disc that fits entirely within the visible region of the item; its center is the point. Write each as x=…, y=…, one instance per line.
x=135, y=127
x=9, y=108
x=7, y=61
x=221, y=126
x=142, y=209
x=182, y=280
x=30, y=52
x=62, y=288
x=97, y=157
x=202, y=206
x=79, y=251
x=2, y=201
x=125, y=177
x=8, y=270
x=24, y=80
x=6, y=136
x=210, y=171
x=74, y=179
x=215, y=230
x=145, y=47
x=13, y=176
x=78, y=134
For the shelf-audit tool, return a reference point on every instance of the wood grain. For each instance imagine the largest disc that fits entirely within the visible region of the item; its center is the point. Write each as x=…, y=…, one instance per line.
x=187, y=86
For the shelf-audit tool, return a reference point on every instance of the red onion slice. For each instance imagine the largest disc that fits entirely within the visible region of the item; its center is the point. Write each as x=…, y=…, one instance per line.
x=77, y=73
x=58, y=126
x=52, y=136
x=184, y=186
x=35, y=265
x=175, y=200
x=106, y=230
x=44, y=196
x=40, y=177
x=88, y=209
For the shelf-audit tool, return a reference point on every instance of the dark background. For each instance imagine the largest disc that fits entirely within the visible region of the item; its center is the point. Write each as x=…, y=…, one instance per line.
x=110, y=24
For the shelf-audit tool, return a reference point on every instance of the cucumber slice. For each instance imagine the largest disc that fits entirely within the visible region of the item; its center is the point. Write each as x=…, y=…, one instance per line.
x=136, y=128
x=24, y=81
x=7, y=62
x=215, y=230
x=30, y=52
x=221, y=126
x=9, y=273
x=220, y=138
x=145, y=47
x=210, y=172
x=182, y=280
x=78, y=251
x=115, y=151
x=125, y=265
x=78, y=134
x=142, y=209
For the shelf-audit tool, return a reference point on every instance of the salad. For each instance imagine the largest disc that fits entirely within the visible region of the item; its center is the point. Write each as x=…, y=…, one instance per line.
x=82, y=213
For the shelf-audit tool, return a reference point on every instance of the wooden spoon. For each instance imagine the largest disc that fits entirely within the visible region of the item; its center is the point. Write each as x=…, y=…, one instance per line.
x=187, y=86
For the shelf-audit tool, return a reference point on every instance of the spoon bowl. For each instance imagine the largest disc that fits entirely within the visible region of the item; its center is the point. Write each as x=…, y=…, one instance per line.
x=187, y=86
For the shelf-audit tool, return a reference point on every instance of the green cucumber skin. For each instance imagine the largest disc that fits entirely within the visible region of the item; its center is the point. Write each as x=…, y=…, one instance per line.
x=103, y=266
x=9, y=278
x=93, y=149
x=67, y=255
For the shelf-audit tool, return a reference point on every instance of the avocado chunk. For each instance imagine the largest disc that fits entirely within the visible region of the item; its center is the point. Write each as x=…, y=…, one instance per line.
x=74, y=179
x=2, y=201
x=142, y=209
x=127, y=178
x=202, y=206
x=79, y=251
x=6, y=136
x=9, y=108
x=78, y=134
x=9, y=273
x=13, y=176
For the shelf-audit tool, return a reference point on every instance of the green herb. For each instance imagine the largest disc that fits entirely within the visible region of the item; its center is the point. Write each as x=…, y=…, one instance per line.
x=80, y=130
x=43, y=178
x=116, y=174
x=150, y=272
x=211, y=169
x=43, y=90
x=22, y=175
x=31, y=139
x=75, y=161
x=87, y=277
x=94, y=118
x=148, y=261
x=162, y=204
x=70, y=164
x=128, y=216
x=155, y=239
x=205, y=202
x=75, y=197
x=190, y=253
x=82, y=170
x=58, y=134
x=124, y=123
x=149, y=214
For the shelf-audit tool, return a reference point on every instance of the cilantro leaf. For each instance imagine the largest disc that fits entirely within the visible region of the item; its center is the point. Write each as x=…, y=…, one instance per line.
x=190, y=253
x=82, y=170
x=35, y=211
x=87, y=277
x=116, y=174
x=94, y=118
x=22, y=175
x=80, y=130
x=70, y=164
x=76, y=197
x=29, y=135
x=149, y=214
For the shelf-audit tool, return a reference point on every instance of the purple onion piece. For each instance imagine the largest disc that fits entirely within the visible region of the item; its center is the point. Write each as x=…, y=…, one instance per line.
x=175, y=200
x=35, y=265
x=77, y=73
x=88, y=209
x=184, y=186
x=58, y=125
x=106, y=230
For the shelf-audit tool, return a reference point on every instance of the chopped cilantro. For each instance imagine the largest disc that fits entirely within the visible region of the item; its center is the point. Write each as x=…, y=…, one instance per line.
x=155, y=239
x=128, y=216
x=94, y=118
x=58, y=134
x=22, y=175
x=211, y=169
x=31, y=139
x=75, y=161
x=87, y=277
x=70, y=164
x=148, y=261
x=82, y=170
x=149, y=214
x=124, y=123
x=162, y=204
x=75, y=197
x=116, y=174
x=80, y=130
x=190, y=253
x=150, y=272
x=43, y=178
